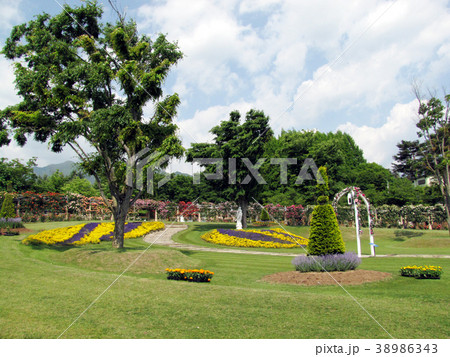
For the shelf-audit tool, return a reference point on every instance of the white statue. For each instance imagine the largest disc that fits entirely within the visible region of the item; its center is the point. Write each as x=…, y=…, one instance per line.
x=239, y=218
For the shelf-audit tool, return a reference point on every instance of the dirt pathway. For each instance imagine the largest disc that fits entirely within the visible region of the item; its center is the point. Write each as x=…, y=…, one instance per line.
x=164, y=237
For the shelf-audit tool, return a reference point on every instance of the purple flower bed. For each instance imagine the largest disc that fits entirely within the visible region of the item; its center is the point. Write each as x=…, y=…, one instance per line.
x=330, y=262
x=11, y=222
x=88, y=227
x=128, y=227
x=282, y=233
x=252, y=236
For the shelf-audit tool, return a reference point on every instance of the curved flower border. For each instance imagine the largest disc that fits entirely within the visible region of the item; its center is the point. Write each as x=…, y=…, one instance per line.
x=270, y=238
x=90, y=233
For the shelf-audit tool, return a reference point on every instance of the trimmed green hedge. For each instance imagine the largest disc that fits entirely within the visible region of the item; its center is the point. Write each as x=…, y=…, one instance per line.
x=264, y=216
x=8, y=210
x=325, y=236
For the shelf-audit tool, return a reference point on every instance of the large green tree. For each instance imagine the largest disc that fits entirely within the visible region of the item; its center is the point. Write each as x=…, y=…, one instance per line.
x=52, y=183
x=17, y=176
x=240, y=148
x=337, y=151
x=79, y=185
x=408, y=161
x=79, y=80
x=434, y=132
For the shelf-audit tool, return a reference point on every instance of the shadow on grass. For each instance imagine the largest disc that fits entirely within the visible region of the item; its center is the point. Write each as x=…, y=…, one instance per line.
x=187, y=252
x=210, y=226
x=92, y=248
x=57, y=248
x=402, y=235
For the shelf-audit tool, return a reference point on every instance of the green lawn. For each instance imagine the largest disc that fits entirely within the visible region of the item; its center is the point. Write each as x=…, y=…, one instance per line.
x=389, y=241
x=44, y=289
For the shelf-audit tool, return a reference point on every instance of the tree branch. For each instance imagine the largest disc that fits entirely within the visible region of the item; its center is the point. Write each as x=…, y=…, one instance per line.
x=97, y=178
x=114, y=6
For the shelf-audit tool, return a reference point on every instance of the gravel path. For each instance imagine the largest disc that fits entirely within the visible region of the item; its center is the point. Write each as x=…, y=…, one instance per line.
x=164, y=237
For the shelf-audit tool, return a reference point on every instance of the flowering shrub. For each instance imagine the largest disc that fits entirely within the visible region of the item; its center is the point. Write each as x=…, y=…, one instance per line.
x=330, y=262
x=195, y=275
x=189, y=210
x=422, y=272
x=51, y=206
x=268, y=238
x=90, y=233
x=40, y=203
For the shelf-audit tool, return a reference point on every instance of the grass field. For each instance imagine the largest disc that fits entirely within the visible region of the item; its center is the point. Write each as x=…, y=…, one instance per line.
x=44, y=289
x=389, y=241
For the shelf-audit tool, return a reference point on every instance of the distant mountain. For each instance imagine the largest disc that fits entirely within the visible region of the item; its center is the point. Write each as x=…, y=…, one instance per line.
x=68, y=166
x=180, y=173
x=65, y=168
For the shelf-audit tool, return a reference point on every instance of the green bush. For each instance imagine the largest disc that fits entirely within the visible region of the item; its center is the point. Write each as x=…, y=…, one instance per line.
x=8, y=210
x=325, y=236
x=264, y=216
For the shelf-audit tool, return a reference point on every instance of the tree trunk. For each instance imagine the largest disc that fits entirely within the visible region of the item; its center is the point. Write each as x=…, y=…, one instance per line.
x=120, y=216
x=243, y=203
x=447, y=210
x=444, y=185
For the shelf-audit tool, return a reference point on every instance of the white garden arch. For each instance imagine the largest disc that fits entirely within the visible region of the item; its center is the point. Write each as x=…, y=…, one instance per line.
x=354, y=194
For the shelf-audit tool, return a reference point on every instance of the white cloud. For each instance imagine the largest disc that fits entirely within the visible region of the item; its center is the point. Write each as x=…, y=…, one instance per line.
x=267, y=65
x=373, y=50
x=336, y=59
x=7, y=90
x=11, y=13
x=214, y=42
x=379, y=65
x=196, y=129
x=250, y=6
x=36, y=149
x=379, y=143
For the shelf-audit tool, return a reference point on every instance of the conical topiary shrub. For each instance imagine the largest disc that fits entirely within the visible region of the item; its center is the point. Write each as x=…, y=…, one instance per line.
x=324, y=236
x=264, y=216
x=8, y=210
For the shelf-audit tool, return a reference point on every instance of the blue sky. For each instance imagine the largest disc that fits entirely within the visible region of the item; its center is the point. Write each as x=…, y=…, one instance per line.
x=328, y=65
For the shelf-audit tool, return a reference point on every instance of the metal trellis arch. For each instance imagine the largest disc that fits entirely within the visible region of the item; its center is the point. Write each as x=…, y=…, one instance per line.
x=353, y=195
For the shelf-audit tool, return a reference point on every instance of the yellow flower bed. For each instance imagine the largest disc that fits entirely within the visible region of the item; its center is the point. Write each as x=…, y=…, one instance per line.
x=237, y=238
x=282, y=234
x=107, y=228
x=195, y=275
x=61, y=235
x=144, y=229
x=53, y=236
x=422, y=272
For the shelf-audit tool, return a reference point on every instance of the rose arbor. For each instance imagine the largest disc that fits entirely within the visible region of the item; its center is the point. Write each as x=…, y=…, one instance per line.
x=354, y=194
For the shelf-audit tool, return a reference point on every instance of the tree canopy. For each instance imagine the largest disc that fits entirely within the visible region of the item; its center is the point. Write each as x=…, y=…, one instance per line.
x=17, y=176
x=337, y=151
x=238, y=148
x=409, y=162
